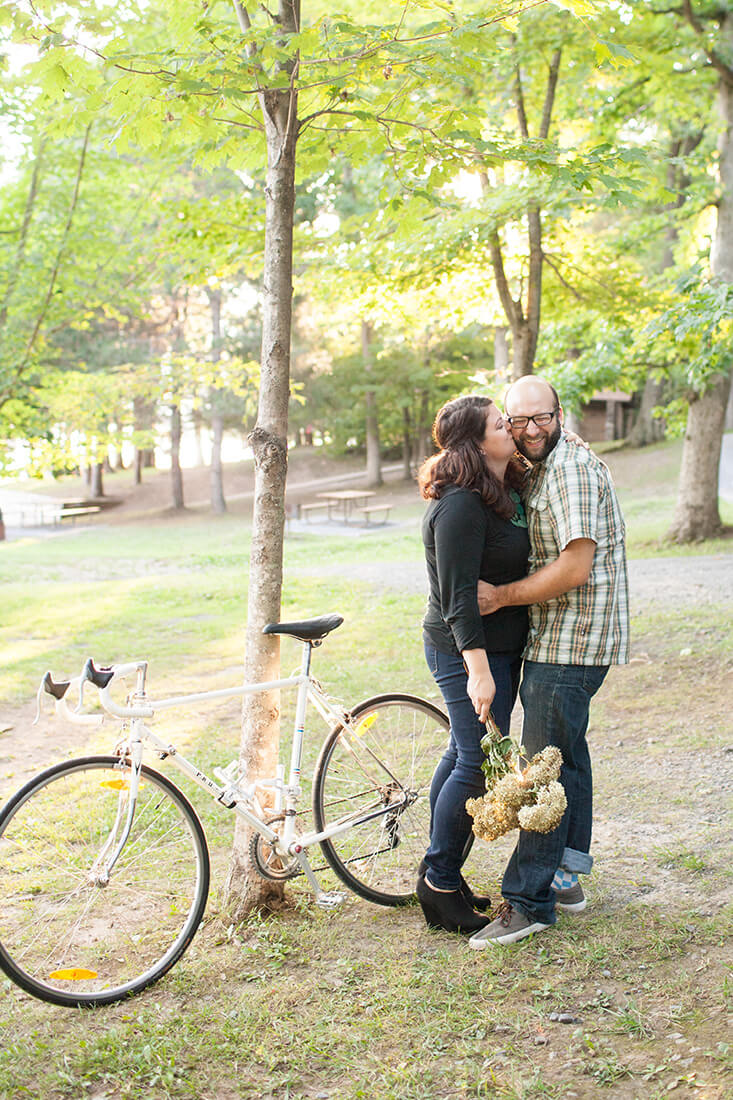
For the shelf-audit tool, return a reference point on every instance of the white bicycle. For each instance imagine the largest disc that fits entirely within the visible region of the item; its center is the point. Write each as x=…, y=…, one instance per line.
x=104, y=865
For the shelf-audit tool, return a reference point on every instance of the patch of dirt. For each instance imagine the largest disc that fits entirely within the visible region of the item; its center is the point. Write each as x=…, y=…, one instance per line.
x=306, y=465
x=662, y=742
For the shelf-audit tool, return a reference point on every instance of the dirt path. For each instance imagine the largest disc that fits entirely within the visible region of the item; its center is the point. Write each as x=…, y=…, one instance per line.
x=668, y=581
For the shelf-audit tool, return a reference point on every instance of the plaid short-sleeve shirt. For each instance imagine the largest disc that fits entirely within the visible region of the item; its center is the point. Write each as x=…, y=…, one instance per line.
x=570, y=495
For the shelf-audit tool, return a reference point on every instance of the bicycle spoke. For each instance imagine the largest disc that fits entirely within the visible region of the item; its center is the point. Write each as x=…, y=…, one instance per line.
x=64, y=916
x=401, y=739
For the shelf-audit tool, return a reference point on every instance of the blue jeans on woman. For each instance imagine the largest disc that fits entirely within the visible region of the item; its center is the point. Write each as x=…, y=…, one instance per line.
x=556, y=700
x=458, y=775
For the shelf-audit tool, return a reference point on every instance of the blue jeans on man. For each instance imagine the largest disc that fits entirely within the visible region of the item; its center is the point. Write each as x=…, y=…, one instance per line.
x=556, y=700
x=458, y=775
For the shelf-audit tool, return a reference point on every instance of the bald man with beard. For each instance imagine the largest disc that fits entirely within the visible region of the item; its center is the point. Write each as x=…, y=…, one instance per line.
x=577, y=594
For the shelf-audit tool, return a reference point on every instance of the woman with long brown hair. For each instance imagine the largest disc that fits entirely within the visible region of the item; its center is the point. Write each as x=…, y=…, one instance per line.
x=473, y=529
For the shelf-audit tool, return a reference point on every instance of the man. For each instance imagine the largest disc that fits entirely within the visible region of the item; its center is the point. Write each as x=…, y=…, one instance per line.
x=578, y=627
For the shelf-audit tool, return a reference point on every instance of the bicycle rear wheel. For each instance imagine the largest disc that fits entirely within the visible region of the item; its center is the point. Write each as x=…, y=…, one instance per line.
x=379, y=780
x=66, y=936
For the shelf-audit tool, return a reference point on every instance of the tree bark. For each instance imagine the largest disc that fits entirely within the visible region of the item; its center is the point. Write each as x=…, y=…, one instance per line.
x=143, y=417
x=501, y=354
x=218, y=503
x=373, y=458
x=648, y=429
x=96, y=484
x=696, y=514
x=176, y=475
x=423, y=442
x=258, y=753
x=406, y=444
x=524, y=320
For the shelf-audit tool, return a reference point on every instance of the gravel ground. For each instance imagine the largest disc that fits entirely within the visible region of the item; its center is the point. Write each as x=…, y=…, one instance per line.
x=674, y=581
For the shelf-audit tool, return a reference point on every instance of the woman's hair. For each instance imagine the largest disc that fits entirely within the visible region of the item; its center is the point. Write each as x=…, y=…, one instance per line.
x=458, y=431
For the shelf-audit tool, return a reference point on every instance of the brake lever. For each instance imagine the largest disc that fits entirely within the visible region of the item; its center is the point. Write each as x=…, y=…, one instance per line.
x=48, y=686
x=99, y=677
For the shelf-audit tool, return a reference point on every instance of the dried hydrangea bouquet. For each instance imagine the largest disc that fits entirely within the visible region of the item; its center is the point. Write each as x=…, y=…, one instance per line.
x=517, y=797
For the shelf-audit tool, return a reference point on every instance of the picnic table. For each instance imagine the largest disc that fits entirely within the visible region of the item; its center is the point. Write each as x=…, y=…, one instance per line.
x=344, y=501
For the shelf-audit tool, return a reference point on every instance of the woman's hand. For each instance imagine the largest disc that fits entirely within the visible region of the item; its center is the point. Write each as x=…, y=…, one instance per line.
x=481, y=687
x=575, y=438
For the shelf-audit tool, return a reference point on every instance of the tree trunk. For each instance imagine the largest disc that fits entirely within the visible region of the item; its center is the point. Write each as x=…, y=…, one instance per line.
x=423, y=442
x=501, y=355
x=218, y=503
x=143, y=414
x=696, y=515
x=176, y=476
x=406, y=444
x=524, y=344
x=373, y=458
x=259, y=745
x=96, y=484
x=198, y=437
x=648, y=429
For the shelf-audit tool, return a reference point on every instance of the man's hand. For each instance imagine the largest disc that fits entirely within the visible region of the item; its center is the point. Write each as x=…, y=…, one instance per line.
x=488, y=598
x=569, y=570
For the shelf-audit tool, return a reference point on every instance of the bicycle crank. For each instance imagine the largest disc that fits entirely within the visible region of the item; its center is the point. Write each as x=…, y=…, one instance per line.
x=270, y=863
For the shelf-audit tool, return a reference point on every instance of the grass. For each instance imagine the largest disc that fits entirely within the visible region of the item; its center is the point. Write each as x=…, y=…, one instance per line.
x=365, y=1001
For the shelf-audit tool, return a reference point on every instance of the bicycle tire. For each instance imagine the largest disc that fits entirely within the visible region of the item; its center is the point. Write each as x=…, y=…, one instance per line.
x=400, y=741
x=65, y=937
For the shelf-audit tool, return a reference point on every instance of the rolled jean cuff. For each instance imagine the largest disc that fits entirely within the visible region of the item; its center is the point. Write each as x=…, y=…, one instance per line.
x=577, y=863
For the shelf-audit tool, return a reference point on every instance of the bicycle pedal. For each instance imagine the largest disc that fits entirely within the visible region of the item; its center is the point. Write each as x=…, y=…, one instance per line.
x=330, y=899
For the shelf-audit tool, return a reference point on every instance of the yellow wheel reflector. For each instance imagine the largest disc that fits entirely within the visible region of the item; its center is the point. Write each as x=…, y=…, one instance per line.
x=73, y=974
x=368, y=721
x=118, y=784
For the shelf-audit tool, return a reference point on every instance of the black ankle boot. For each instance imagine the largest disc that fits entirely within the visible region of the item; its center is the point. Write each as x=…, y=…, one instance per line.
x=450, y=910
x=482, y=902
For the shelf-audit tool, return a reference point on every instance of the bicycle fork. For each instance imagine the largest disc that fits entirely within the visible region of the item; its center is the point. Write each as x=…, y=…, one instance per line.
x=99, y=872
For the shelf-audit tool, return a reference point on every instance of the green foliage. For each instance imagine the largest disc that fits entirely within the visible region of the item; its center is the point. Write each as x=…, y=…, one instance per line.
x=698, y=325
x=411, y=157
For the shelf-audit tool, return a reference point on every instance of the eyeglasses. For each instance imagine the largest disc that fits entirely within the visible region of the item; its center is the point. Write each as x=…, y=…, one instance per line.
x=540, y=419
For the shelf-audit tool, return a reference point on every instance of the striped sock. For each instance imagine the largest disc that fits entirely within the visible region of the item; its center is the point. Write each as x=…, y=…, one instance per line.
x=564, y=880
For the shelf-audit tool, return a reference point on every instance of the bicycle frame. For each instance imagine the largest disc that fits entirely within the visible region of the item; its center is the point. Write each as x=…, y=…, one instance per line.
x=235, y=794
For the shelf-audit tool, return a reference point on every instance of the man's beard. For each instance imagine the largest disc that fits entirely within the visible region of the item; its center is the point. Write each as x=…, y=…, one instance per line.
x=549, y=442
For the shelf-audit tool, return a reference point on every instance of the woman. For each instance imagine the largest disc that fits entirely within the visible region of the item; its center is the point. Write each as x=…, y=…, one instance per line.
x=474, y=529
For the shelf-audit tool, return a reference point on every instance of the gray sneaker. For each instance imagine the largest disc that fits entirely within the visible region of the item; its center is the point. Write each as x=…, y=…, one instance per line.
x=510, y=925
x=572, y=900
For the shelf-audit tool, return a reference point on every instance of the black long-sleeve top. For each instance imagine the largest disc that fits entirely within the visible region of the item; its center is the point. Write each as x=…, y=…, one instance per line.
x=466, y=541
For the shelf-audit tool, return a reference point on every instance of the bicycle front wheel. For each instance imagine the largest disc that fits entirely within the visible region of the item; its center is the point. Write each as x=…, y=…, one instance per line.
x=376, y=783
x=68, y=936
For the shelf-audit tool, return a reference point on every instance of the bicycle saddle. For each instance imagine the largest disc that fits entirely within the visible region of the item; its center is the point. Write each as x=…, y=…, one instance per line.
x=308, y=630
